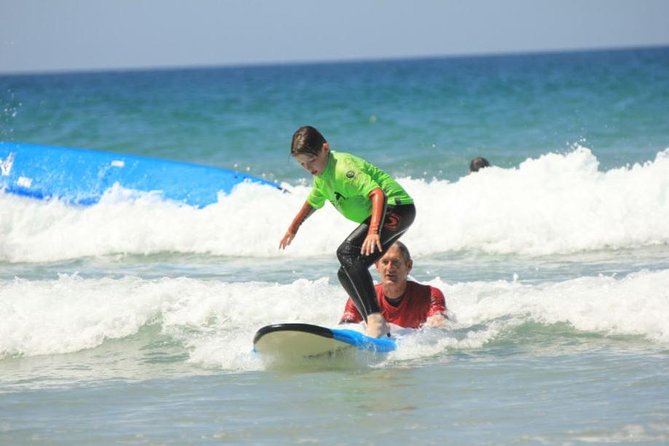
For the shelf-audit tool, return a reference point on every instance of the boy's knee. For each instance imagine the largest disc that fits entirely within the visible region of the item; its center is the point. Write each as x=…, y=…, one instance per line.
x=347, y=254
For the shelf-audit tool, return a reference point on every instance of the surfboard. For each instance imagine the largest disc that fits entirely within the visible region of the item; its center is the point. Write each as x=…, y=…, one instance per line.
x=82, y=176
x=296, y=342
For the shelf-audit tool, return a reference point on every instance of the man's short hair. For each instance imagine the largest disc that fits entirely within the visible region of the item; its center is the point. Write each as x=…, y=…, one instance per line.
x=403, y=250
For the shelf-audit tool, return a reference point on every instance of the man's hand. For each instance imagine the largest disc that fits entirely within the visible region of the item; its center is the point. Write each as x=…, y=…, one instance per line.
x=436, y=320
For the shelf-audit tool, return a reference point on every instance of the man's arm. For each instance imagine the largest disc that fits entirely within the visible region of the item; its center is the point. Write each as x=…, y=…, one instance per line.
x=351, y=314
x=436, y=315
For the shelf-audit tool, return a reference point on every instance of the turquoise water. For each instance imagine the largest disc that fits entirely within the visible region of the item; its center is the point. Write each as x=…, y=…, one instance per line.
x=130, y=322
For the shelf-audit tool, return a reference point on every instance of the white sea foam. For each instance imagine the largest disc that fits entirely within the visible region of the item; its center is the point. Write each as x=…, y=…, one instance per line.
x=215, y=320
x=553, y=204
x=558, y=203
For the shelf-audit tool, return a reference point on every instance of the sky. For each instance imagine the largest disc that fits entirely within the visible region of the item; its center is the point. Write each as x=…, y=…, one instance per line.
x=85, y=35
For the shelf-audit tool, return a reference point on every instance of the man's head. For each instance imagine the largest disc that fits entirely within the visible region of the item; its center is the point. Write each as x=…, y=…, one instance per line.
x=395, y=265
x=478, y=163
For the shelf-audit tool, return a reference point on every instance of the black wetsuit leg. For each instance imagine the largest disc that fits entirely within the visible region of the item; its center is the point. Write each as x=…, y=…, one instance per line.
x=354, y=273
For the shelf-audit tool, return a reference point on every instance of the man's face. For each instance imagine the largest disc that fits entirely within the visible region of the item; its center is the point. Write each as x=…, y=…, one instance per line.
x=392, y=267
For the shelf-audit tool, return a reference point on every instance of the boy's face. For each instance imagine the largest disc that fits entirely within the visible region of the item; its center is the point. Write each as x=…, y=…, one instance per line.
x=314, y=164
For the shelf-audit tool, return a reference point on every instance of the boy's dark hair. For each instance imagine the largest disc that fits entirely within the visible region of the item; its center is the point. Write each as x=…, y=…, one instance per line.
x=478, y=163
x=307, y=140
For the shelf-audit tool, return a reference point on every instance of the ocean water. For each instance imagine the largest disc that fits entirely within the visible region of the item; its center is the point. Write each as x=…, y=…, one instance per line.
x=131, y=321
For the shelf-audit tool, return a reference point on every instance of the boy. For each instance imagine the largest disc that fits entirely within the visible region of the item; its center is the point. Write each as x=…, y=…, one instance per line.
x=364, y=194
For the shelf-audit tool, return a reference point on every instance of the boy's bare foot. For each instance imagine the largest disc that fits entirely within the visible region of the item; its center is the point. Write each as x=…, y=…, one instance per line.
x=376, y=326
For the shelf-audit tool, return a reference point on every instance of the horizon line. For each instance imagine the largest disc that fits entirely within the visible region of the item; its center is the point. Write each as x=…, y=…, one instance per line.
x=327, y=61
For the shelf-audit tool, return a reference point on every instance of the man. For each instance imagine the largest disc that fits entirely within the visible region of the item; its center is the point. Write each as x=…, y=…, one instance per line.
x=477, y=164
x=403, y=302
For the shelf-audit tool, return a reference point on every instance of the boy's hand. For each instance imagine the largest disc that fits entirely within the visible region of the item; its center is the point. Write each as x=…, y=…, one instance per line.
x=287, y=238
x=372, y=242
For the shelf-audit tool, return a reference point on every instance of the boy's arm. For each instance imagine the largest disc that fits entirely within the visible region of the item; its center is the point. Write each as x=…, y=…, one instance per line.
x=302, y=215
x=373, y=239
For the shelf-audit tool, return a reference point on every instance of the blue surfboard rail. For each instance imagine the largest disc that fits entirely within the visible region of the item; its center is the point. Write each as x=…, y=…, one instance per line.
x=81, y=176
x=361, y=341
